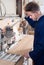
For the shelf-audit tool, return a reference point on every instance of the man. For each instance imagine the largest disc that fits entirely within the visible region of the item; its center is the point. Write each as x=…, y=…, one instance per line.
x=36, y=20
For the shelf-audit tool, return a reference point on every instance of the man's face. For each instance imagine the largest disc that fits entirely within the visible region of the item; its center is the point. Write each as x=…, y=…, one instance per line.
x=32, y=15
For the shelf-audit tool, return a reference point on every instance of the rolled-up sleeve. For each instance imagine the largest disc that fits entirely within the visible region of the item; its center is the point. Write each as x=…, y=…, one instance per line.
x=31, y=22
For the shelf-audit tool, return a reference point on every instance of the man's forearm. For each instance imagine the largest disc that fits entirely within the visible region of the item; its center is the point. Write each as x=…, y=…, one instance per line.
x=31, y=22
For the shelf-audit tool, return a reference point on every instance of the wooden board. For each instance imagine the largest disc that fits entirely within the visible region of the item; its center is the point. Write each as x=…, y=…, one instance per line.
x=23, y=46
x=5, y=62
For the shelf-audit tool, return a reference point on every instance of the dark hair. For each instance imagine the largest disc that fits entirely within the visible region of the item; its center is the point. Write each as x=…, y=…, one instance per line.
x=32, y=6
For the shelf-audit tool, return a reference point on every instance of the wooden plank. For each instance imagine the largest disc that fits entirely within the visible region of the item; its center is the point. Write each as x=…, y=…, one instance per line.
x=23, y=46
x=5, y=62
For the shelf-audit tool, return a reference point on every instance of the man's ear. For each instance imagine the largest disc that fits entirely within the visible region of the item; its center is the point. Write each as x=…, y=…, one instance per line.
x=36, y=13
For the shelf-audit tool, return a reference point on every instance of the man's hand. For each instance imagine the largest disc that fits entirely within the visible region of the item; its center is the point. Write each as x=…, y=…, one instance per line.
x=26, y=55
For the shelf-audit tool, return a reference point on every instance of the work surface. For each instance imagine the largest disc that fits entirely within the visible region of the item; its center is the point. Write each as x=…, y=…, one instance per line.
x=9, y=59
x=23, y=46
